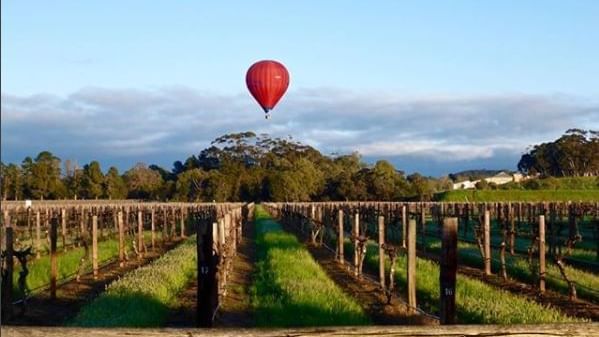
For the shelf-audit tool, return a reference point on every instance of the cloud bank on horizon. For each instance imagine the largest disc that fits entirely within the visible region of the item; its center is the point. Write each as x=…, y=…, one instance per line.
x=432, y=134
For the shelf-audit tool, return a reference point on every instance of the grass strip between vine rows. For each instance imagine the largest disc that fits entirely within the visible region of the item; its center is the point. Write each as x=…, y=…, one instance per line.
x=476, y=301
x=290, y=288
x=517, y=267
x=68, y=263
x=143, y=297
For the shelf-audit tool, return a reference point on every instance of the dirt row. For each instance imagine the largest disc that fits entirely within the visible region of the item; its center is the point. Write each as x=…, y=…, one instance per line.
x=41, y=310
x=574, y=308
x=236, y=311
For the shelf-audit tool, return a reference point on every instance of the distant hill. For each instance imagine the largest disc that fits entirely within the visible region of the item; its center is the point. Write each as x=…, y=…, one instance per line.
x=474, y=174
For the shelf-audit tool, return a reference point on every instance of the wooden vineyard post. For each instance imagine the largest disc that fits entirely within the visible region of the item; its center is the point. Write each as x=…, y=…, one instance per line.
x=7, y=284
x=381, y=221
x=240, y=227
x=140, y=233
x=182, y=223
x=207, y=292
x=542, y=254
x=153, y=229
x=165, y=226
x=63, y=229
x=356, y=243
x=448, y=264
x=404, y=225
x=229, y=225
x=312, y=221
x=173, y=231
x=5, y=224
x=121, y=239
x=411, y=272
x=38, y=234
x=340, y=238
x=53, y=261
x=512, y=230
x=82, y=220
x=487, y=242
x=423, y=224
x=95, y=245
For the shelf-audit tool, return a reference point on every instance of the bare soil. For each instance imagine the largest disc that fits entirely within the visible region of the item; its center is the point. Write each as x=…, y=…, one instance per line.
x=365, y=290
x=41, y=310
x=575, y=308
x=235, y=309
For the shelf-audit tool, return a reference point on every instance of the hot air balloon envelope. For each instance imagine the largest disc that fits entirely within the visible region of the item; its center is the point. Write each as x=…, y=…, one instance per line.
x=267, y=81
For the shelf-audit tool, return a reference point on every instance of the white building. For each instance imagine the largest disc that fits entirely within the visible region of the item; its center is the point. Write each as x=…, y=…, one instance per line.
x=498, y=179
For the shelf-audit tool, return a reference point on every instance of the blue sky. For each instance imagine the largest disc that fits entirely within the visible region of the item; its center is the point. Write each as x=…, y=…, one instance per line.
x=433, y=86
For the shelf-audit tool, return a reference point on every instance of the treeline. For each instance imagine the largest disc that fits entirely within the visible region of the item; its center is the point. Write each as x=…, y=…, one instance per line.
x=235, y=167
x=575, y=154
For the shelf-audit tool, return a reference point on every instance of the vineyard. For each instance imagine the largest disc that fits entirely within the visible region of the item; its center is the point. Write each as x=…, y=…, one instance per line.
x=287, y=265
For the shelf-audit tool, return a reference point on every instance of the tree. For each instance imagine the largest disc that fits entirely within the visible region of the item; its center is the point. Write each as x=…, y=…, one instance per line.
x=382, y=178
x=143, y=182
x=42, y=177
x=573, y=154
x=93, y=180
x=298, y=181
x=114, y=185
x=421, y=186
x=11, y=182
x=189, y=185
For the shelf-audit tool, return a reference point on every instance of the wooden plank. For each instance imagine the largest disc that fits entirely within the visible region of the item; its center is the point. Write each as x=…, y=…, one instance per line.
x=447, y=276
x=411, y=265
x=538, y=330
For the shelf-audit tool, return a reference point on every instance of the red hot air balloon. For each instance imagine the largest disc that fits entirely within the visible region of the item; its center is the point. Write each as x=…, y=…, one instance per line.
x=267, y=81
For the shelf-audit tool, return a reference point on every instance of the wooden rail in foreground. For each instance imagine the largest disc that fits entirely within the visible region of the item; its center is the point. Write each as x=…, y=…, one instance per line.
x=545, y=330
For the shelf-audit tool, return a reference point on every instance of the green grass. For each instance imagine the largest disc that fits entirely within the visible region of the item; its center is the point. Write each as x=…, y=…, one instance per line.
x=68, y=263
x=143, y=297
x=518, y=268
x=476, y=301
x=517, y=195
x=584, y=251
x=290, y=288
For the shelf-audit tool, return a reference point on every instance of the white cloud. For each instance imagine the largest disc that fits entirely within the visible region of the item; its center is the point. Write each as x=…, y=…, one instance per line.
x=172, y=123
